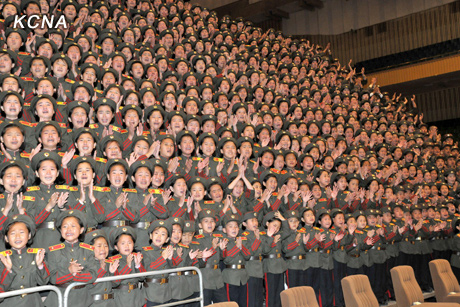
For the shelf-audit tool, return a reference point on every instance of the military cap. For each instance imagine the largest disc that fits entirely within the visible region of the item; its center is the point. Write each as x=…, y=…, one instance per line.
x=170, y=182
x=196, y=179
x=17, y=163
x=267, y=174
x=4, y=94
x=416, y=207
x=164, y=136
x=203, y=136
x=150, y=109
x=85, y=85
x=45, y=155
x=61, y=56
x=206, y=213
x=36, y=99
x=118, y=231
x=176, y=221
x=75, y=162
x=230, y=217
x=10, y=53
x=93, y=235
x=386, y=209
x=183, y=133
x=160, y=163
x=358, y=213
x=71, y=213
x=20, y=218
x=42, y=125
x=82, y=130
x=76, y=104
x=374, y=212
x=138, y=164
x=189, y=226
x=112, y=162
x=225, y=140
x=176, y=113
x=105, y=102
x=292, y=213
x=268, y=217
x=250, y=215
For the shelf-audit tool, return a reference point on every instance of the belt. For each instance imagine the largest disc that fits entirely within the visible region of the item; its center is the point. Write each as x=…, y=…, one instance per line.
x=141, y=225
x=315, y=250
x=354, y=256
x=235, y=266
x=127, y=287
x=67, y=284
x=102, y=297
x=299, y=257
x=155, y=281
x=115, y=223
x=458, y=253
x=259, y=258
x=211, y=266
x=183, y=273
x=419, y=239
x=325, y=251
x=272, y=256
x=408, y=240
x=379, y=248
x=47, y=225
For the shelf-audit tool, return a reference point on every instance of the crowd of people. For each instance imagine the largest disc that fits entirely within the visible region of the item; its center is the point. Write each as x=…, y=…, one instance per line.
x=145, y=135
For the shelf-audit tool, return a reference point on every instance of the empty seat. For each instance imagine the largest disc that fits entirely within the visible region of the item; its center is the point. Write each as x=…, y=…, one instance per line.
x=357, y=291
x=299, y=297
x=445, y=283
x=407, y=290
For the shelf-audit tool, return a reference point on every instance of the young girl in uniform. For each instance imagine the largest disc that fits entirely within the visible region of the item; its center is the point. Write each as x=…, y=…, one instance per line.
x=27, y=264
x=102, y=293
x=72, y=260
x=128, y=292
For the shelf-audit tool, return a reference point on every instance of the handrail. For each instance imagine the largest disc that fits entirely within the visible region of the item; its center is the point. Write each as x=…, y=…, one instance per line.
x=129, y=276
x=34, y=289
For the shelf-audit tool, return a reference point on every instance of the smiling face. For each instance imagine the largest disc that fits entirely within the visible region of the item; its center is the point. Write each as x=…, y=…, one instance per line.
x=117, y=175
x=71, y=229
x=125, y=245
x=101, y=248
x=18, y=235
x=176, y=235
x=47, y=172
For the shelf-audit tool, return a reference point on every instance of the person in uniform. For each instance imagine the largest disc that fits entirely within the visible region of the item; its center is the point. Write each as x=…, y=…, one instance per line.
x=27, y=264
x=128, y=292
x=72, y=260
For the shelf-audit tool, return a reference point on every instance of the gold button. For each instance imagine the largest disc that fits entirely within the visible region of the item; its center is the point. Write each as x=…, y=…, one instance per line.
x=22, y=287
x=105, y=289
x=71, y=250
x=22, y=277
x=20, y=257
x=48, y=191
x=20, y=267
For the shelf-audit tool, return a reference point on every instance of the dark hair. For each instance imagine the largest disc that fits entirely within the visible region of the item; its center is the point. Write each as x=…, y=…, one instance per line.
x=2, y=173
x=81, y=237
x=29, y=242
x=23, y=145
x=59, y=178
x=116, y=252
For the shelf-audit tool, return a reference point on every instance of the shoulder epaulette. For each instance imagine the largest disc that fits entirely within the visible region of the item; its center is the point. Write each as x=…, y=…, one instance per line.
x=425, y=222
x=299, y=172
x=25, y=155
x=56, y=247
x=94, y=126
x=146, y=133
x=86, y=246
x=147, y=248
x=321, y=229
x=7, y=252
x=2, y=196
x=219, y=159
x=275, y=194
x=130, y=190
x=182, y=245
x=217, y=235
x=61, y=154
x=70, y=81
x=262, y=233
x=101, y=160
x=101, y=189
x=119, y=130
x=209, y=202
x=23, y=53
x=116, y=257
x=245, y=233
x=199, y=236
x=197, y=159
x=33, y=250
x=98, y=91
x=391, y=224
x=275, y=171
x=195, y=242
x=73, y=189
x=252, y=161
x=378, y=226
x=29, y=198
x=22, y=122
x=27, y=78
x=316, y=228
x=62, y=187
x=155, y=191
x=346, y=192
x=301, y=230
x=243, y=238
x=359, y=231
x=322, y=199
x=333, y=231
x=34, y=188
x=62, y=103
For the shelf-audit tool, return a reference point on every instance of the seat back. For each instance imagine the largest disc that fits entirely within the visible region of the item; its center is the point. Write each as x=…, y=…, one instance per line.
x=407, y=290
x=357, y=291
x=444, y=280
x=299, y=297
x=224, y=304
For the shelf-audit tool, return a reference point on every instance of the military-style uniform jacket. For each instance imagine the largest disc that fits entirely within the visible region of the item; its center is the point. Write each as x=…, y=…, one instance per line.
x=312, y=247
x=27, y=275
x=234, y=260
x=254, y=263
x=377, y=252
x=35, y=200
x=94, y=212
x=212, y=275
x=326, y=248
x=273, y=262
x=127, y=293
x=101, y=289
x=179, y=283
x=156, y=288
x=58, y=258
x=340, y=253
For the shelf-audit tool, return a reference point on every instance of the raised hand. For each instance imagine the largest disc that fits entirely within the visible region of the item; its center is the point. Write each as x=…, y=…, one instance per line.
x=114, y=266
x=39, y=257
x=6, y=260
